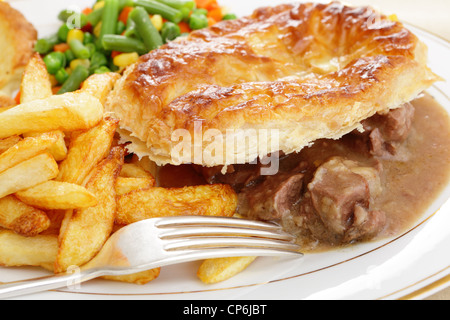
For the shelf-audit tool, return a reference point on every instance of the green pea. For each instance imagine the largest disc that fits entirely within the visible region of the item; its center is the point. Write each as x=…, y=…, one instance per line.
x=88, y=38
x=69, y=55
x=61, y=76
x=54, y=61
x=170, y=31
x=229, y=16
x=103, y=69
x=63, y=31
x=198, y=21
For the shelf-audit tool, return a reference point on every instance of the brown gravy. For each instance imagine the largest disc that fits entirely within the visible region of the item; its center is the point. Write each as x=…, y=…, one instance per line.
x=413, y=179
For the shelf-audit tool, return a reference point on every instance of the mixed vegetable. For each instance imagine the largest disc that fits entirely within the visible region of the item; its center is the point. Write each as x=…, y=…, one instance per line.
x=113, y=34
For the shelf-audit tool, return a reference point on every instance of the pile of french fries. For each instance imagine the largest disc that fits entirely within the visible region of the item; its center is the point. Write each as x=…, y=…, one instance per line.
x=66, y=184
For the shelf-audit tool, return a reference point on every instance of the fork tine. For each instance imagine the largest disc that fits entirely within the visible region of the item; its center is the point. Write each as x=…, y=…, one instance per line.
x=187, y=232
x=184, y=221
x=227, y=242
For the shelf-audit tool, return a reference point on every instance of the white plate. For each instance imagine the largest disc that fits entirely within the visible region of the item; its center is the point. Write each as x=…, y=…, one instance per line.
x=388, y=269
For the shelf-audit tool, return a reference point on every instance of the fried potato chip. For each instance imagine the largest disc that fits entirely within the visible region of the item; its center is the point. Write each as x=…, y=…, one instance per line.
x=86, y=150
x=35, y=83
x=127, y=185
x=28, y=174
x=22, y=218
x=217, y=270
x=26, y=149
x=99, y=85
x=131, y=170
x=58, y=195
x=140, y=278
x=88, y=229
x=17, y=250
x=66, y=112
x=211, y=200
x=7, y=143
x=58, y=149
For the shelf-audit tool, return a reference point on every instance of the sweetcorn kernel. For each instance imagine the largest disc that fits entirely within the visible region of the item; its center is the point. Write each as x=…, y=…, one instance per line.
x=123, y=60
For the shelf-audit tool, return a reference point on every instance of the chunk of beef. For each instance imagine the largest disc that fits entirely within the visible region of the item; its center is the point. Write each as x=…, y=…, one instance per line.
x=336, y=206
x=275, y=197
x=383, y=133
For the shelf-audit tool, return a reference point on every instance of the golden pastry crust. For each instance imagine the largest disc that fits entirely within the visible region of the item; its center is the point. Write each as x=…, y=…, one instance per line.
x=305, y=71
x=17, y=38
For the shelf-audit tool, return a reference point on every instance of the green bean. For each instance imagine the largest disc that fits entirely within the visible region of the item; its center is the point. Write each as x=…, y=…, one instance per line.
x=198, y=21
x=45, y=45
x=64, y=15
x=79, y=49
x=120, y=27
x=179, y=4
x=92, y=48
x=98, y=60
x=125, y=3
x=78, y=75
x=123, y=44
x=166, y=12
x=75, y=19
x=95, y=17
x=170, y=31
x=131, y=29
x=147, y=31
x=109, y=18
x=55, y=61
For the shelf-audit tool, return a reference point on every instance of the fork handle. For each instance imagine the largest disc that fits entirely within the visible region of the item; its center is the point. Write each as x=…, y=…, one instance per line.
x=58, y=281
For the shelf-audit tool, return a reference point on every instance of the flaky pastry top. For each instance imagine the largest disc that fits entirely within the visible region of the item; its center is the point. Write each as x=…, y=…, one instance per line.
x=309, y=71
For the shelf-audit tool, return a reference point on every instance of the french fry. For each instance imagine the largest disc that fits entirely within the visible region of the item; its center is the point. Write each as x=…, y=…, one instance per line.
x=127, y=185
x=22, y=218
x=99, y=85
x=7, y=143
x=66, y=112
x=17, y=250
x=217, y=270
x=211, y=200
x=26, y=149
x=88, y=229
x=58, y=149
x=28, y=174
x=55, y=195
x=140, y=278
x=35, y=83
x=131, y=170
x=86, y=150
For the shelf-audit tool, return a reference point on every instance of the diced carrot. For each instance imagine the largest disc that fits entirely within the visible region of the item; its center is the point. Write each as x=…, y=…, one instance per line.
x=17, y=98
x=61, y=47
x=56, y=89
x=124, y=14
x=211, y=21
x=212, y=5
x=216, y=14
x=115, y=53
x=87, y=10
x=184, y=27
x=204, y=4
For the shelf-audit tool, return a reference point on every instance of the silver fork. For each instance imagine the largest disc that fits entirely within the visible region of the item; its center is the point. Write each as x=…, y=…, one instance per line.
x=160, y=242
